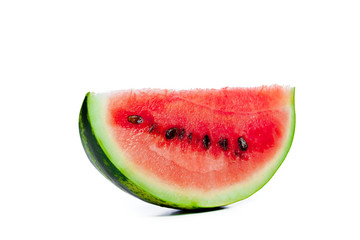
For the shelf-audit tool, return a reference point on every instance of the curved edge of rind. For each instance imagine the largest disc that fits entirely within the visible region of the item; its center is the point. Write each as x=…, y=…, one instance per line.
x=286, y=148
x=103, y=164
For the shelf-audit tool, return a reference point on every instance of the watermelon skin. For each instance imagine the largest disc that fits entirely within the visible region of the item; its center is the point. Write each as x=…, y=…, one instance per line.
x=99, y=156
x=102, y=163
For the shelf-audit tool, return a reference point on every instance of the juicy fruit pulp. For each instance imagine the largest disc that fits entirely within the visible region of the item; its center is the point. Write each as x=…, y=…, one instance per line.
x=192, y=148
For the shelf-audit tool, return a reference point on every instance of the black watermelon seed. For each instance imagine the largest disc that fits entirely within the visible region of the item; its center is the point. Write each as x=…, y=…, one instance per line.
x=190, y=137
x=206, y=142
x=223, y=143
x=237, y=153
x=171, y=133
x=152, y=127
x=182, y=133
x=135, y=119
x=242, y=144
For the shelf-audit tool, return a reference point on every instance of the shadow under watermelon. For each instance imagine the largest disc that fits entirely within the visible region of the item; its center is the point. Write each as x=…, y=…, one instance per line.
x=188, y=212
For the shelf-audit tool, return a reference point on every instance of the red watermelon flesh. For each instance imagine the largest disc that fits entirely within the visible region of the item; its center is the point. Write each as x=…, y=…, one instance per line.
x=192, y=148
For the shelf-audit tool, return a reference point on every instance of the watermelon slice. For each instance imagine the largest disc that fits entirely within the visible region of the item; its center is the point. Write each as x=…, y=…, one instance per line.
x=189, y=149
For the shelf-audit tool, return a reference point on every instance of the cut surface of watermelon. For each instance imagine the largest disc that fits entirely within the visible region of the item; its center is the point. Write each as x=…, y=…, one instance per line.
x=189, y=149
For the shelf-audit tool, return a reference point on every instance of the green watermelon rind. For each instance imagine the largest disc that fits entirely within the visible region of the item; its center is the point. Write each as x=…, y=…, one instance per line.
x=99, y=158
x=110, y=161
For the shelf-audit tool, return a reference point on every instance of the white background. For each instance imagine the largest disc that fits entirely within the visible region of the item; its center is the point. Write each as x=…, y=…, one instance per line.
x=53, y=52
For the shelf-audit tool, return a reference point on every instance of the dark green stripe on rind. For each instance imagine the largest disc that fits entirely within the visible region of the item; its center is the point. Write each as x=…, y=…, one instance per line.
x=101, y=161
